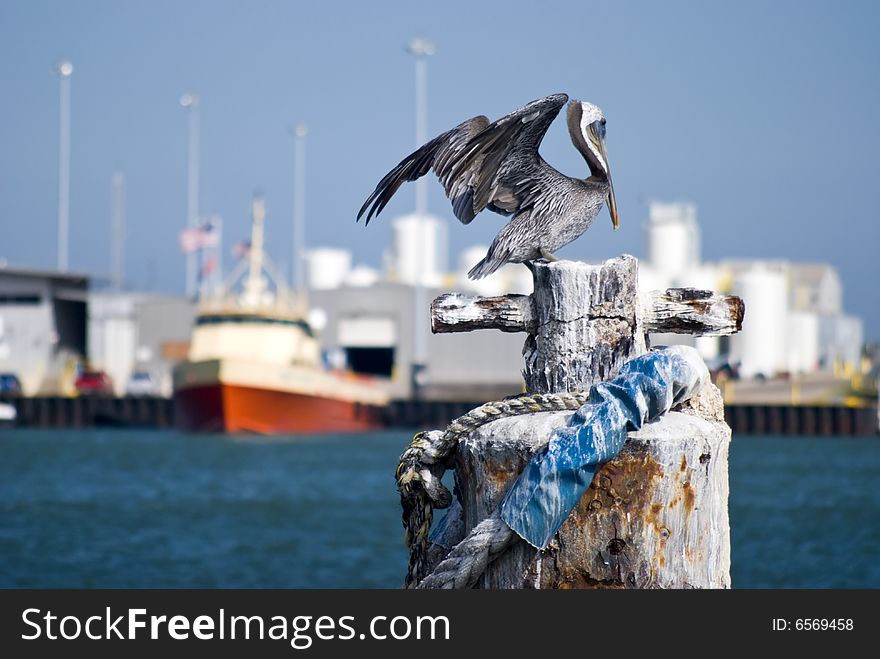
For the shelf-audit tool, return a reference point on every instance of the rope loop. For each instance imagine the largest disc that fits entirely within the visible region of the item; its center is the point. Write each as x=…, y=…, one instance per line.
x=432, y=452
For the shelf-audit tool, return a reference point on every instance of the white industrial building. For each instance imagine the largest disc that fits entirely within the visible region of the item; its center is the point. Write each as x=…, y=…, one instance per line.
x=52, y=325
x=377, y=321
x=42, y=328
x=794, y=321
x=129, y=332
x=368, y=320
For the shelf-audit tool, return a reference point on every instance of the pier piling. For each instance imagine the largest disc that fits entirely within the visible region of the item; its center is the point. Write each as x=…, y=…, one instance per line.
x=654, y=516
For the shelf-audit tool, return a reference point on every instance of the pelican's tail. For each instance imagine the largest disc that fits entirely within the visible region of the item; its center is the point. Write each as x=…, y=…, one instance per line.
x=490, y=263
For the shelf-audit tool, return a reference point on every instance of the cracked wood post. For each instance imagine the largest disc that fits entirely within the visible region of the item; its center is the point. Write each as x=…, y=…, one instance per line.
x=656, y=515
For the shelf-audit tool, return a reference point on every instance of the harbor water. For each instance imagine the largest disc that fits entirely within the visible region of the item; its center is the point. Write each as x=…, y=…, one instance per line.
x=126, y=508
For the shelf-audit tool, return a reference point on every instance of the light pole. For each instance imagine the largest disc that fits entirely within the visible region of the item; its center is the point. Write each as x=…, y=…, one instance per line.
x=117, y=238
x=190, y=102
x=64, y=69
x=298, y=277
x=420, y=49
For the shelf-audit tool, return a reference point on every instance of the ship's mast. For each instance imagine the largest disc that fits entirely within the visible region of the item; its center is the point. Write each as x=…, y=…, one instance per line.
x=255, y=285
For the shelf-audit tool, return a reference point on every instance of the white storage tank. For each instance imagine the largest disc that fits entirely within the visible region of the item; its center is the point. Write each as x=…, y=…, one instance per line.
x=420, y=248
x=362, y=276
x=327, y=267
x=112, y=336
x=761, y=347
x=673, y=238
x=803, y=342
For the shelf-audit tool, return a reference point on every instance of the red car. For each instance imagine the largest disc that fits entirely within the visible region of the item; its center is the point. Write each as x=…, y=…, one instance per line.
x=94, y=383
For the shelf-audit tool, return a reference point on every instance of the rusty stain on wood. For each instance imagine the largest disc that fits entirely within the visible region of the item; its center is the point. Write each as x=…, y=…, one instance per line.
x=689, y=497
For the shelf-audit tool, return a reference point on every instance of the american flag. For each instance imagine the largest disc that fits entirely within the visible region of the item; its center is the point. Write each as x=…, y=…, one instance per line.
x=193, y=239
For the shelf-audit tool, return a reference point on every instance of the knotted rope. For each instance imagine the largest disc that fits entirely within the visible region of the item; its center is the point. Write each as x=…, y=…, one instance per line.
x=466, y=562
x=420, y=471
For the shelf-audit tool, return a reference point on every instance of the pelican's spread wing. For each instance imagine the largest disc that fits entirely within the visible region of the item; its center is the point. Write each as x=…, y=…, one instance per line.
x=509, y=173
x=480, y=164
x=441, y=154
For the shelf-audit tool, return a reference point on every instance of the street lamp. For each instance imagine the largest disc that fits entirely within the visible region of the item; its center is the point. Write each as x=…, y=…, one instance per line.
x=420, y=49
x=190, y=102
x=298, y=278
x=117, y=237
x=64, y=70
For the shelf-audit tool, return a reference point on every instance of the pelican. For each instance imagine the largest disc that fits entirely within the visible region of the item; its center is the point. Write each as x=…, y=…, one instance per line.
x=497, y=166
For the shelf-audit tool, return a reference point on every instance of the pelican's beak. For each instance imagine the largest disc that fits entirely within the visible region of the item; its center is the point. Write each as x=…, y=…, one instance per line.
x=612, y=203
x=597, y=131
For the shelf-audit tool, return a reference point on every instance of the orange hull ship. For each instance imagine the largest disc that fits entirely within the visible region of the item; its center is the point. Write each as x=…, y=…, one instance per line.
x=228, y=408
x=214, y=400
x=254, y=365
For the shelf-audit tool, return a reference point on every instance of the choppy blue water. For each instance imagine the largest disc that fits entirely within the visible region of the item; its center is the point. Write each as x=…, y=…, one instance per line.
x=159, y=509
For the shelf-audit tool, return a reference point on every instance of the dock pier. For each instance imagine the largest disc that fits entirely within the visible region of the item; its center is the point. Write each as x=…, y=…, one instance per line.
x=153, y=412
x=157, y=413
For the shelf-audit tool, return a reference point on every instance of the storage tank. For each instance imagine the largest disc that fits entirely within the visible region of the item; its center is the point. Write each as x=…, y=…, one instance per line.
x=327, y=267
x=803, y=342
x=420, y=246
x=362, y=276
x=673, y=238
x=761, y=347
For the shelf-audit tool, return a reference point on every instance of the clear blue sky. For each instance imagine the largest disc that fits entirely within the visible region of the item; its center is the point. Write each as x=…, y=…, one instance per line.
x=763, y=113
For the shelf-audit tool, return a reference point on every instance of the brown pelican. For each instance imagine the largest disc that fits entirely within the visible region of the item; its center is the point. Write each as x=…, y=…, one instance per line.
x=497, y=166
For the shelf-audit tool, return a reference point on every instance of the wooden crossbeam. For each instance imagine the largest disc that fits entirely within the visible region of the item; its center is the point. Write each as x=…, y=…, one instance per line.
x=675, y=310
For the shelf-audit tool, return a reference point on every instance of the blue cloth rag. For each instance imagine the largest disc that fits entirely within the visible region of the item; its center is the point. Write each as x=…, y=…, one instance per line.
x=559, y=474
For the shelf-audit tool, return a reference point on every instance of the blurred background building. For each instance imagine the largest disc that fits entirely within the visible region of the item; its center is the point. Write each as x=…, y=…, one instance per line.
x=52, y=325
x=43, y=318
x=794, y=323
x=138, y=333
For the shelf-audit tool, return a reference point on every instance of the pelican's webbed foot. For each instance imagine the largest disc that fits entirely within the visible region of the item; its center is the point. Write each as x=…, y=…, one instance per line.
x=547, y=255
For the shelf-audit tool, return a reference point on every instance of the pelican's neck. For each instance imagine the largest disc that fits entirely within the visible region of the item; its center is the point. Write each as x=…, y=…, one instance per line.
x=578, y=130
x=577, y=134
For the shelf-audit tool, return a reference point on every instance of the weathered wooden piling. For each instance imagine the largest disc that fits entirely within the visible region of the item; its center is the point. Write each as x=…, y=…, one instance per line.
x=656, y=515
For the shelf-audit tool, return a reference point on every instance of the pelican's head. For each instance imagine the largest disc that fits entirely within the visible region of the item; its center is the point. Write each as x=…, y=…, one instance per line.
x=586, y=124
